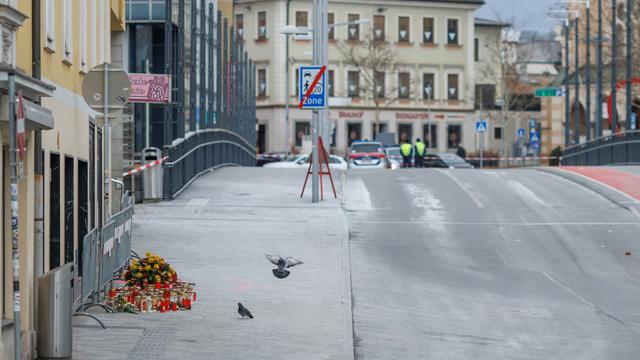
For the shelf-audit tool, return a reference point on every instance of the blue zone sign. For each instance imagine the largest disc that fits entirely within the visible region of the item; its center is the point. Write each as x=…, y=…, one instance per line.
x=318, y=97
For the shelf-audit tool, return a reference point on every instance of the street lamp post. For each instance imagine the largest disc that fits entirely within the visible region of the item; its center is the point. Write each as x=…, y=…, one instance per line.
x=614, y=74
x=629, y=63
x=576, y=74
x=600, y=75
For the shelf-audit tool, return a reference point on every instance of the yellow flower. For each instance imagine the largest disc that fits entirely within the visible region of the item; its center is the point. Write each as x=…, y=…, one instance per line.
x=156, y=266
x=148, y=253
x=148, y=267
x=138, y=275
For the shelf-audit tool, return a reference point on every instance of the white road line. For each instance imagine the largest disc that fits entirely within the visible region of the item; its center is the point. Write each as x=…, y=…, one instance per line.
x=504, y=223
x=525, y=193
x=568, y=290
x=472, y=195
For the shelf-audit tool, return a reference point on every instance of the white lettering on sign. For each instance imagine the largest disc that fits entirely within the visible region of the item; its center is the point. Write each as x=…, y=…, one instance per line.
x=351, y=114
x=412, y=116
x=107, y=247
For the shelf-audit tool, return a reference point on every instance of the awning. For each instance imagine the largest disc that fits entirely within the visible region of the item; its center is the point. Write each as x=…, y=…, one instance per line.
x=37, y=117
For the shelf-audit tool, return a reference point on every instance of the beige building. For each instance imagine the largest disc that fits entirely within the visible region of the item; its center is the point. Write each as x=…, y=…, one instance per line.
x=61, y=192
x=433, y=43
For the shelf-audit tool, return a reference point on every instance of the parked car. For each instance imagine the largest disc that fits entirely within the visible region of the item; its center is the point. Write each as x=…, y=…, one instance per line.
x=267, y=158
x=446, y=160
x=394, y=157
x=302, y=161
x=367, y=155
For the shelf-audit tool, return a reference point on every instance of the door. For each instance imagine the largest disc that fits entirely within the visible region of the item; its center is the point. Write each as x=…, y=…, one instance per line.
x=405, y=133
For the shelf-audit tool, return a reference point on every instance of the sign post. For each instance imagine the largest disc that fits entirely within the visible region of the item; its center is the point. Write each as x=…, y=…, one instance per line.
x=313, y=95
x=481, y=128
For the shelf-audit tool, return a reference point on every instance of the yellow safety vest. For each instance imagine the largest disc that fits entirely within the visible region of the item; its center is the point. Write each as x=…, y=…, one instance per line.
x=406, y=149
x=420, y=146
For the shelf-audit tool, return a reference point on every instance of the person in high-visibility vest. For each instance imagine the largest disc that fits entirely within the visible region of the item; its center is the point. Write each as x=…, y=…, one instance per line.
x=407, y=151
x=420, y=153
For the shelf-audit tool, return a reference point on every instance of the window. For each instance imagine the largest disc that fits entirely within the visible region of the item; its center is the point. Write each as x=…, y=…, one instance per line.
x=54, y=211
x=430, y=135
x=302, y=131
x=497, y=133
x=262, y=82
x=302, y=19
x=476, y=49
x=50, y=25
x=354, y=29
x=379, y=85
x=378, y=27
x=240, y=26
x=354, y=132
x=427, y=30
x=262, y=25
x=403, y=29
x=353, y=84
x=68, y=28
x=379, y=128
x=452, y=31
x=83, y=36
x=331, y=19
x=330, y=83
x=83, y=208
x=428, y=86
x=454, y=136
x=485, y=96
x=69, y=201
x=405, y=133
x=452, y=87
x=404, y=89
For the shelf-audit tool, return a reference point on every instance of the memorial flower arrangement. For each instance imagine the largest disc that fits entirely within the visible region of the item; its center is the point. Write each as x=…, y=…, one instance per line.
x=151, y=269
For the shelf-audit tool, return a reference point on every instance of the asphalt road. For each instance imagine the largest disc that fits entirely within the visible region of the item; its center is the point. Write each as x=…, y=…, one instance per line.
x=473, y=264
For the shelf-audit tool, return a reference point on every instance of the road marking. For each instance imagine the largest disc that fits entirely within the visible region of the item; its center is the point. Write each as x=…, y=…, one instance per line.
x=526, y=193
x=504, y=223
x=464, y=187
x=568, y=290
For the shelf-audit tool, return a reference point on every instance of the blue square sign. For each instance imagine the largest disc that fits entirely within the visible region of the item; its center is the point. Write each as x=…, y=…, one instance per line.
x=520, y=133
x=481, y=126
x=312, y=78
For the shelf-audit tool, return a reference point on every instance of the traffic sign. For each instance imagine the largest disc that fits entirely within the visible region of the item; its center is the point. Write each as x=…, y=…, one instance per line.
x=312, y=88
x=520, y=133
x=481, y=126
x=534, y=138
x=634, y=121
x=550, y=92
x=532, y=123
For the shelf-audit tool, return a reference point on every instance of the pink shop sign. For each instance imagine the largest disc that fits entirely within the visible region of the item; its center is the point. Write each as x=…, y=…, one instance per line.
x=149, y=88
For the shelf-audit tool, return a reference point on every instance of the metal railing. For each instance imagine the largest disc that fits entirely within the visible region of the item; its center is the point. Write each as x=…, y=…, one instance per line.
x=105, y=252
x=618, y=149
x=201, y=151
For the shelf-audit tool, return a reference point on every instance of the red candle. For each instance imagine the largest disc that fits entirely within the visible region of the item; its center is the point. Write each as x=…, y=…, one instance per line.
x=157, y=286
x=112, y=293
x=194, y=296
x=175, y=307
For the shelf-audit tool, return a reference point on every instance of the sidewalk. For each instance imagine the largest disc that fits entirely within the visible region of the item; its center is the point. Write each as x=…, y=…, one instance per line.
x=215, y=234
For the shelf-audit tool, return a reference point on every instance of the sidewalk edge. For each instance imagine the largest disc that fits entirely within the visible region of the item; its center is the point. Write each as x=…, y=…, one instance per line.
x=347, y=305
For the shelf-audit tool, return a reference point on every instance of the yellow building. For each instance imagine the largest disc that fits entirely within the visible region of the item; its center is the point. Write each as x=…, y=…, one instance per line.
x=64, y=142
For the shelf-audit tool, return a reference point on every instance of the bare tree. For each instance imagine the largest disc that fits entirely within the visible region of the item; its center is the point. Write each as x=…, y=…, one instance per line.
x=373, y=59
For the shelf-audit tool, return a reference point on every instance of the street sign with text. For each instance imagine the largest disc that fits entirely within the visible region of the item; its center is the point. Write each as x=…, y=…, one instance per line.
x=312, y=88
x=550, y=92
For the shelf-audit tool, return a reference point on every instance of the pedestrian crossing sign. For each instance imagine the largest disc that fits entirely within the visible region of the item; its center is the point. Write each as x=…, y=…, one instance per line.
x=481, y=126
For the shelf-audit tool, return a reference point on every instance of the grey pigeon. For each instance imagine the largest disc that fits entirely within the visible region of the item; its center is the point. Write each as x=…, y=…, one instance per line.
x=283, y=264
x=244, y=312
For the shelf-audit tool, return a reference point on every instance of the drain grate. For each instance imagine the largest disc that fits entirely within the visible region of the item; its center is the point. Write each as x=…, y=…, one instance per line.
x=152, y=344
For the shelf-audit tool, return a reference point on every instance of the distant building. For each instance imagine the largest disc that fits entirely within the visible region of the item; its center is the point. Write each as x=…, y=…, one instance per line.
x=435, y=43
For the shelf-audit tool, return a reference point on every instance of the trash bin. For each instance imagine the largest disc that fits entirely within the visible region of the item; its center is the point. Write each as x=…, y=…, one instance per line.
x=152, y=177
x=55, y=311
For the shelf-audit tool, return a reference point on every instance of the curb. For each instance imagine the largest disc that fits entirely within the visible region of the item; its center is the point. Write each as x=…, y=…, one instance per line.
x=347, y=305
x=613, y=195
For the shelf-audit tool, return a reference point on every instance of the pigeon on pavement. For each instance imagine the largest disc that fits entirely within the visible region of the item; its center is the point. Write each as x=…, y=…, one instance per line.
x=244, y=312
x=283, y=264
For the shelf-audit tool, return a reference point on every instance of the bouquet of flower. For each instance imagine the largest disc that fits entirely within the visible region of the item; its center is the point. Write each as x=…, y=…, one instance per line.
x=151, y=269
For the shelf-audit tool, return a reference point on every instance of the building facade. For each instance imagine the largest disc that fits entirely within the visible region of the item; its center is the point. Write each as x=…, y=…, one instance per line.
x=61, y=192
x=432, y=43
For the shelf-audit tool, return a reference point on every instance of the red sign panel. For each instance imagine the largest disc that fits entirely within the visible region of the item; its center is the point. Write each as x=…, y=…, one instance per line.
x=149, y=88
